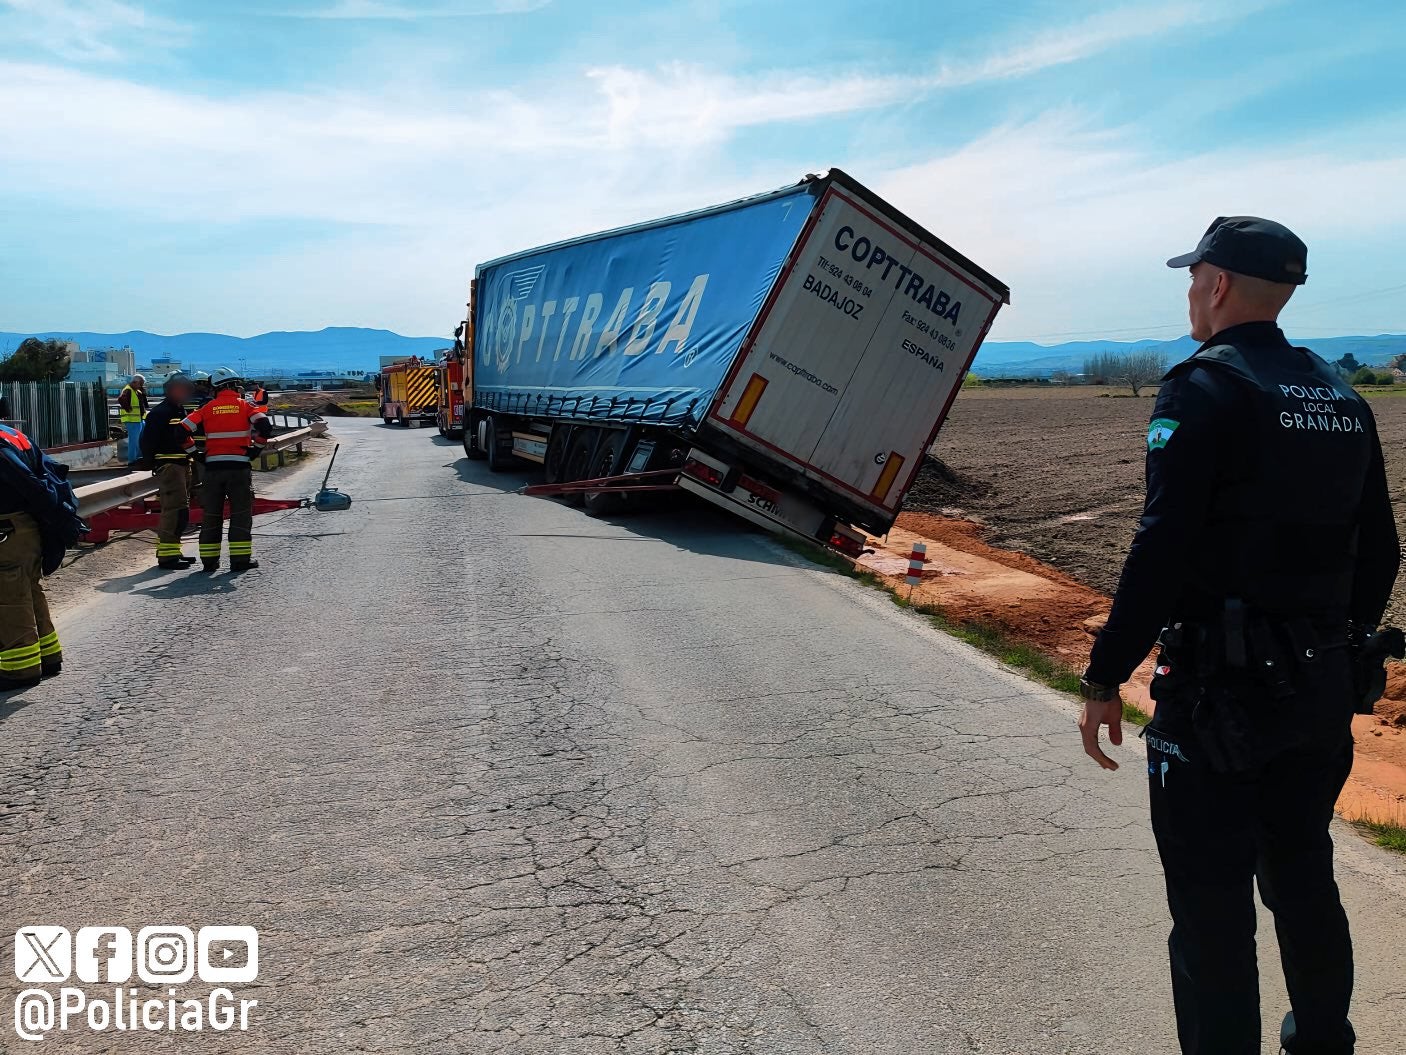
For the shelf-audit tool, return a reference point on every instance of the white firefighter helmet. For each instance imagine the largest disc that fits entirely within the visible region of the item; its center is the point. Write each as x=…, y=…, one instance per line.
x=223, y=375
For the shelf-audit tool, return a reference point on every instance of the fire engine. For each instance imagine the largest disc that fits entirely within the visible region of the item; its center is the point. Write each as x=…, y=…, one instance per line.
x=408, y=392
x=449, y=395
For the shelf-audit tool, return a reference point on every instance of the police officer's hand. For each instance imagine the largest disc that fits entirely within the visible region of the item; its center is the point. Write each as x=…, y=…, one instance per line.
x=1097, y=714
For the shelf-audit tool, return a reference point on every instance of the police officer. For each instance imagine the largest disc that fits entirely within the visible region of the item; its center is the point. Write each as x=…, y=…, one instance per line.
x=235, y=431
x=166, y=450
x=1267, y=536
x=29, y=644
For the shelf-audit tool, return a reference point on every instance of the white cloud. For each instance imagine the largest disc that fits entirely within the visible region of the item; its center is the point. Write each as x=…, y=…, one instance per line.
x=1080, y=221
x=1094, y=35
x=396, y=197
x=86, y=30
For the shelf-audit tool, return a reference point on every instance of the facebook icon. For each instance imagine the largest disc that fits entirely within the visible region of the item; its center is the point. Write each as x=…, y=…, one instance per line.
x=103, y=954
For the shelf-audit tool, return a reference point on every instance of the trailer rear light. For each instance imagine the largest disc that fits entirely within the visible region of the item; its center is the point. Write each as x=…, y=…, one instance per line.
x=703, y=471
x=847, y=544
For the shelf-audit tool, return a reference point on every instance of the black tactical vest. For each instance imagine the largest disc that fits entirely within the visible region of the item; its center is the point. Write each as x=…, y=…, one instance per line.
x=1282, y=533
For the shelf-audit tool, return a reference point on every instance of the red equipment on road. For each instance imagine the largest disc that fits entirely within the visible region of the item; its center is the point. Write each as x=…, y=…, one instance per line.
x=145, y=513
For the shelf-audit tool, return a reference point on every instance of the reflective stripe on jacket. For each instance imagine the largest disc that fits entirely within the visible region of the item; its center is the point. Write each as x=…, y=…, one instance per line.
x=164, y=438
x=228, y=420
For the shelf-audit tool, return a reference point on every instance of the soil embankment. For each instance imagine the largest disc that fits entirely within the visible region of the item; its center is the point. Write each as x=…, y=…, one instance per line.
x=1047, y=483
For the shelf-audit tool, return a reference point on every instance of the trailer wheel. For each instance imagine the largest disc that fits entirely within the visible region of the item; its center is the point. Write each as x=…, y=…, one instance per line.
x=469, y=437
x=608, y=461
x=554, y=463
x=578, y=461
x=497, y=461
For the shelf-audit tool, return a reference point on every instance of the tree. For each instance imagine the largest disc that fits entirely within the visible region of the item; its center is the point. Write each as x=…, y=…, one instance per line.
x=1367, y=376
x=1135, y=369
x=1141, y=368
x=36, y=360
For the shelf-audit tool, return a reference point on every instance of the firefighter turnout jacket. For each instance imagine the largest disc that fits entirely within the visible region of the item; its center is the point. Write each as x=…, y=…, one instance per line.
x=29, y=644
x=235, y=429
x=165, y=437
x=21, y=476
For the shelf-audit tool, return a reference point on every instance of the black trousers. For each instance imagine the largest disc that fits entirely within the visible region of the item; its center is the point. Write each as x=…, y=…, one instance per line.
x=232, y=482
x=1218, y=833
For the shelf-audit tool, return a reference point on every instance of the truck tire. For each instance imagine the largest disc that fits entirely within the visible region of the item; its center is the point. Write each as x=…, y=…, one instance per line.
x=608, y=461
x=497, y=461
x=579, y=455
x=470, y=440
x=554, y=464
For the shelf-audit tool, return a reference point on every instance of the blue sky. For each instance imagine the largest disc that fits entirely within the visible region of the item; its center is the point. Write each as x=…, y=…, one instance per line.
x=254, y=165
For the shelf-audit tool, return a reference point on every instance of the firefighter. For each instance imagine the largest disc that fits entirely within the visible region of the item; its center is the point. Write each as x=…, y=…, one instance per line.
x=201, y=393
x=235, y=432
x=29, y=644
x=1266, y=555
x=166, y=447
x=259, y=396
x=132, y=410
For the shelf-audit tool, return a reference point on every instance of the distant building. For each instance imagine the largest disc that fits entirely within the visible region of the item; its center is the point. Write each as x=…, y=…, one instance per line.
x=162, y=367
x=124, y=359
x=107, y=373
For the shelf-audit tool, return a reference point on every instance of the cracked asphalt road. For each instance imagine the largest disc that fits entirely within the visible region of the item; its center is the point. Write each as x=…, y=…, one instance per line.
x=492, y=776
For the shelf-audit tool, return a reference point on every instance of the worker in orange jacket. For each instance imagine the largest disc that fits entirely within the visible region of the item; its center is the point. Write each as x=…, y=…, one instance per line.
x=235, y=433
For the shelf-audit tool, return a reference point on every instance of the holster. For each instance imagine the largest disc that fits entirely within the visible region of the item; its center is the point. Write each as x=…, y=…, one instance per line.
x=1369, y=665
x=1232, y=668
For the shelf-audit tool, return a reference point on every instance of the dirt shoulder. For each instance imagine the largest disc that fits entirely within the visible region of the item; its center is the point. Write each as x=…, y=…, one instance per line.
x=1048, y=482
x=1056, y=473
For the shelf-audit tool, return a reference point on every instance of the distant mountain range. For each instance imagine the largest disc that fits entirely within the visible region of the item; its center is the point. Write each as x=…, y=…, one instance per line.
x=334, y=348
x=1024, y=359
x=357, y=348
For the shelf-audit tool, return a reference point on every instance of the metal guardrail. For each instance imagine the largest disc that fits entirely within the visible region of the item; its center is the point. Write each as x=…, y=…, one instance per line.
x=292, y=419
x=98, y=498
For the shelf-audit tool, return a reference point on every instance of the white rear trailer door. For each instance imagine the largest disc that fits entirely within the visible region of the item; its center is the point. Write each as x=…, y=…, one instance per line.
x=858, y=355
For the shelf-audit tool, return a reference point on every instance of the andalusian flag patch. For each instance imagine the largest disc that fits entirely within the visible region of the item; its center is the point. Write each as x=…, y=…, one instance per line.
x=1159, y=432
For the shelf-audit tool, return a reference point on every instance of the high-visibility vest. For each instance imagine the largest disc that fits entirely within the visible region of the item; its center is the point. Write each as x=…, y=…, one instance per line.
x=229, y=427
x=135, y=410
x=261, y=398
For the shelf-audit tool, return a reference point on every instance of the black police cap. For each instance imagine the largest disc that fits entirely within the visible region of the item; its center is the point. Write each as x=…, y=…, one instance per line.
x=1249, y=245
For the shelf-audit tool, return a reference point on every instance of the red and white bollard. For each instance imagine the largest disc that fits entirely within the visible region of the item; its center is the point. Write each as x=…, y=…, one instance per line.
x=916, y=560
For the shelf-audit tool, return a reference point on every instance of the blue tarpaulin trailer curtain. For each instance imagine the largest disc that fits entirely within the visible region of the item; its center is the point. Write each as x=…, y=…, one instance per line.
x=634, y=325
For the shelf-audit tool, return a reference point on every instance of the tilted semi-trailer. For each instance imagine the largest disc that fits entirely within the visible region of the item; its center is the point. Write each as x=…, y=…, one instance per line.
x=789, y=357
